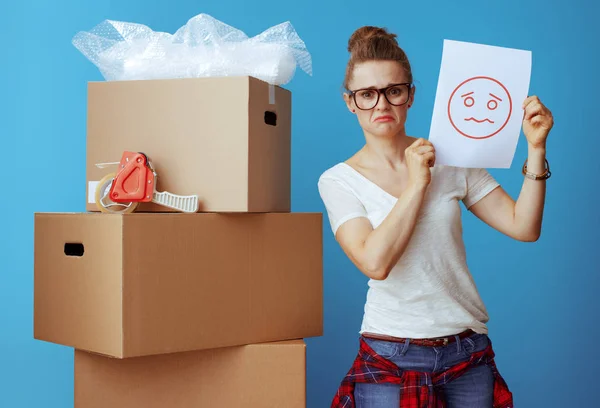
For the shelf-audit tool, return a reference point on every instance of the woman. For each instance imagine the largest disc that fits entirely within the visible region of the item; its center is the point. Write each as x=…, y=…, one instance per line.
x=397, y=217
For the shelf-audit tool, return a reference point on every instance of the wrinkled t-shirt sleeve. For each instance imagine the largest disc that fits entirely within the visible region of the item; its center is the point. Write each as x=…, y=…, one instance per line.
x=479, y=184
x=340, y=202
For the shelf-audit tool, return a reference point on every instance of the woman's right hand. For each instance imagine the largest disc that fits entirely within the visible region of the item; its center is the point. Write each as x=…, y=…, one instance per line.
x=420, y=156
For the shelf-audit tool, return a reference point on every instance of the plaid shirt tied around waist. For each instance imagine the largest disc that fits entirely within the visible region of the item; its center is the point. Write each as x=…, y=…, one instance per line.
x=418, y=389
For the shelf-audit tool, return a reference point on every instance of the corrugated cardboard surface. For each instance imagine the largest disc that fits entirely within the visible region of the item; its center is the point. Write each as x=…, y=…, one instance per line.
x=79, y=298
x=178, y=282
x=269, y=180
x=269, y=375
x=205, y=136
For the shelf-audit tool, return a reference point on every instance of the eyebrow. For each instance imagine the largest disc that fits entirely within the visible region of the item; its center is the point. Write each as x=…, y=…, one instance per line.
x=462, y=96
x=377, y=88
x=496, y=97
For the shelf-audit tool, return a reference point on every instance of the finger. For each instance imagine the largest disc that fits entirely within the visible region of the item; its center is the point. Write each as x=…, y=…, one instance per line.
x=533, y=110
x=529, y=100
x=530, y=114
x=428, y=158
x=419, y=150
x=424, y=149
x=432, y=161
x=536, y=120
x=420, y=142
x=541, y=120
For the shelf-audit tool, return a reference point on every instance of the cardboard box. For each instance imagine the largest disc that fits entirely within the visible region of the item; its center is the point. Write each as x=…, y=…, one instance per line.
x=271, y=375
x=141, y=284
x=226, y=139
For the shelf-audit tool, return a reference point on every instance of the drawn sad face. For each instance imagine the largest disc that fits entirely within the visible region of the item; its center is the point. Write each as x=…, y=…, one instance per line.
x=480, y=107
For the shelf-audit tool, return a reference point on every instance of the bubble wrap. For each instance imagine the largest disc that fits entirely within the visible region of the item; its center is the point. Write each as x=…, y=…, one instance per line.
x=204, y=47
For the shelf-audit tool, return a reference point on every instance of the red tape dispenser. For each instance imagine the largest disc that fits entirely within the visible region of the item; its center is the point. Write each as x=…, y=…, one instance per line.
x=134, y=183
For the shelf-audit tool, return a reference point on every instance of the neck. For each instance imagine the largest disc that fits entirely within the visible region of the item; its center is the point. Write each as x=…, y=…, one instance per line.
x=386, y=151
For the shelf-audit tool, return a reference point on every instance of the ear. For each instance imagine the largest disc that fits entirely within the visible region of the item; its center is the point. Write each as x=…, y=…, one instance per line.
x=349, y=103
x=411, y=98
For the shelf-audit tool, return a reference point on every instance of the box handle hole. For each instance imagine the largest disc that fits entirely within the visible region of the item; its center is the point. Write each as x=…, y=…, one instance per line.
x=74, y=249
x=271, y=118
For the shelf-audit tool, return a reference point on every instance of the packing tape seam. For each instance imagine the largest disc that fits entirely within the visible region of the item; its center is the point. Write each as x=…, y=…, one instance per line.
x=271, y=94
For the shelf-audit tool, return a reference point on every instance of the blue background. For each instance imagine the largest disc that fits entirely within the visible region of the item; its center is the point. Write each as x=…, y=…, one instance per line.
x=542, y=297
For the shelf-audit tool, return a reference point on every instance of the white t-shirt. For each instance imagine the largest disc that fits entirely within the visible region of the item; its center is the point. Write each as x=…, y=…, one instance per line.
x=430, y=291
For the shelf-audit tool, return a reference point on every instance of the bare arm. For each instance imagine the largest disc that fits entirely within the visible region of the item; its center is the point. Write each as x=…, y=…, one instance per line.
x=376, y=251
x=522, y=220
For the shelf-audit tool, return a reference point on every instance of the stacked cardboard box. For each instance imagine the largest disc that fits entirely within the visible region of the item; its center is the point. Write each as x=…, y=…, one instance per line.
x=166, y=309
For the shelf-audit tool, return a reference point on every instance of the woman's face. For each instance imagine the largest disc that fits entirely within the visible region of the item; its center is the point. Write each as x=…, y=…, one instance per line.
x=384, y=119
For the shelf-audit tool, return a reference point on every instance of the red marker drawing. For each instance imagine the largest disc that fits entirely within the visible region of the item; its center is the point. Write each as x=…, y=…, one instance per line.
x=479, y=107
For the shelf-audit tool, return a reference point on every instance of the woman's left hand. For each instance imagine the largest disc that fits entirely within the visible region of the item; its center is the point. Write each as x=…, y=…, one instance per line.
x=537, y=122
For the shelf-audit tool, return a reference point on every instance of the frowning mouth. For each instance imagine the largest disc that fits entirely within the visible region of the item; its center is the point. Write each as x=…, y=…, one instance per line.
x=479, y=121
x=385, y=118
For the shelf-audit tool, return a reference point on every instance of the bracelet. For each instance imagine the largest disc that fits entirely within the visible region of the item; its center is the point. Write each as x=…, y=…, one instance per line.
x=544, y=176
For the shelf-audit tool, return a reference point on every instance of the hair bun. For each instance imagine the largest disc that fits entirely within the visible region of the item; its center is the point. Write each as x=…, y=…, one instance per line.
x=369, y=43
x=366, y=34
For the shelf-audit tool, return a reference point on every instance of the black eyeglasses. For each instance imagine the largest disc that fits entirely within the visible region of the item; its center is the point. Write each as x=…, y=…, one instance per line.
x=368, y=98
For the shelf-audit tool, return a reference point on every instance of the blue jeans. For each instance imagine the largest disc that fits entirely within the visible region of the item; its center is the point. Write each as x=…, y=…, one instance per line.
x=474, y=389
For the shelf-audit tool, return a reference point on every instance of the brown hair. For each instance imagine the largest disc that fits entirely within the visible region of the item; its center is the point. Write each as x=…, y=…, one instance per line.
x=370, y=43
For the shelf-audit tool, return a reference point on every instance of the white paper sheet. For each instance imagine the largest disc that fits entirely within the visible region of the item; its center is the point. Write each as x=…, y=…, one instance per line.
x=477, y=115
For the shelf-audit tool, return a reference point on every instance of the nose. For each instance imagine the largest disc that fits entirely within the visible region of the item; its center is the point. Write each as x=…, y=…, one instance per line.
x=382, y=103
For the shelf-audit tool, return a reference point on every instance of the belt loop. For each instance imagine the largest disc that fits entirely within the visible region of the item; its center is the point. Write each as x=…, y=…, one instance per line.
x=405, y=348
x=458, y=343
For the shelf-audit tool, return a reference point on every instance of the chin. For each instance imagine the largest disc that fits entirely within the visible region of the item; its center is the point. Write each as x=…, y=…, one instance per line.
x=385, y=131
